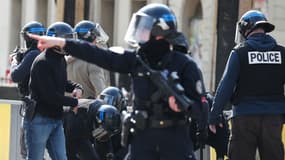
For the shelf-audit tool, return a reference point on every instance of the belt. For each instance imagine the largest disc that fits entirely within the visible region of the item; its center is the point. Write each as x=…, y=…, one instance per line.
x=142, y=103
x=165, y=123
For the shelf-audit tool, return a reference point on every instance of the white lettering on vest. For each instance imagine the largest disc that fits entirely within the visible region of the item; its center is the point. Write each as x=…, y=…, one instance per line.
x=270, y=57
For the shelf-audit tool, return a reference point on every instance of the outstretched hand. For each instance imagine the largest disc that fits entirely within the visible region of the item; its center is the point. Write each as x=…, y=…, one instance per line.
x=45, y=42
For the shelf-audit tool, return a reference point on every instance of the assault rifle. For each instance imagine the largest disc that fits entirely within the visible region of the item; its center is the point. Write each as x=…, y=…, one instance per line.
x=168, y=85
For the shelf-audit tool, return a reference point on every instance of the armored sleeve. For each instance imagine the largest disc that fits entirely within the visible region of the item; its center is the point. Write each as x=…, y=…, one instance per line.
x=122, y=63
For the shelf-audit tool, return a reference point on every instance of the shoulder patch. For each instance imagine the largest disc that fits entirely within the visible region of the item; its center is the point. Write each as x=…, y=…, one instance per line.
x=269, y=57
x=199, y=88
x=117, y=49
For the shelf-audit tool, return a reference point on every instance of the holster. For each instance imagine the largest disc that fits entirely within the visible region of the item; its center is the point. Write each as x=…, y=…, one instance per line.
x=131, y=123
x=126, y=125
x=29, y=107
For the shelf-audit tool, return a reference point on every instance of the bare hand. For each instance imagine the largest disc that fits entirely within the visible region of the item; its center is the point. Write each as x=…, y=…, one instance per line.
x=172, y=104
x=77, y=93
x=45, y=42
x=13, y=60
x=213, y=127
x=75, y=109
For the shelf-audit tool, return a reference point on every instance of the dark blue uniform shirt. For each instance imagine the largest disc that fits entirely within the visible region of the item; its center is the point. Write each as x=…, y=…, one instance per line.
x=224, y=92
x=20, y=73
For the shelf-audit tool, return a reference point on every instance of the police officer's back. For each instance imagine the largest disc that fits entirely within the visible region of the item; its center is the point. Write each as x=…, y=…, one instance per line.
x=254, y=80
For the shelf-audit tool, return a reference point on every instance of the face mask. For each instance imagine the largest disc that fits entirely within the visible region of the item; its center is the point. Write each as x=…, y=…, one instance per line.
x=154, y=50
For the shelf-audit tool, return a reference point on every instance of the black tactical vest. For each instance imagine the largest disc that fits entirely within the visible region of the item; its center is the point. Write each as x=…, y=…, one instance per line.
x=146, y=97
x=262, y=74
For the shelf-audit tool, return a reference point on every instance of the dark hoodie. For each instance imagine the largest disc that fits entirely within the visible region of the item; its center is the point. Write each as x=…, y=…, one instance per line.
x=261, y=42
x=224, y=92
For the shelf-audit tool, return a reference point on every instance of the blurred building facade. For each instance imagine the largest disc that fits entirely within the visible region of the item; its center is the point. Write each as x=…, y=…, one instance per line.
x=198, y=19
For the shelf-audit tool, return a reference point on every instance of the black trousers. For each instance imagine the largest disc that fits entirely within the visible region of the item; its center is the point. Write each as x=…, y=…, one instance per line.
x=219, y=140
x=81, y=150
x=262, y=132
x=162, y=144
x=78, y=137
x=111, y=146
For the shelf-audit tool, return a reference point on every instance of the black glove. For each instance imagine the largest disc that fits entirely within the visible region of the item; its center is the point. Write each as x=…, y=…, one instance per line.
x=100, y=134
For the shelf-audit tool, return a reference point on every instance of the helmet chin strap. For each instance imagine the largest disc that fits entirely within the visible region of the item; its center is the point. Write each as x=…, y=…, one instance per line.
x=59, y=50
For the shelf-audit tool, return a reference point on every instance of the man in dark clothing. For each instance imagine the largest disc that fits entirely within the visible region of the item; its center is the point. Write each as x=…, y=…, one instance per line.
x=153, y=30
x=254, y=80
x=21, y=64
x=48, y=84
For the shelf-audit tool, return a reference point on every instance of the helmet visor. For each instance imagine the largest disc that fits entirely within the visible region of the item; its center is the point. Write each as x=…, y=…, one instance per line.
x=24, y=37
x=23, y=45
x=38, y=31
x=139, y=29
x=239, y=38
x=107, y=99
x=101, y=35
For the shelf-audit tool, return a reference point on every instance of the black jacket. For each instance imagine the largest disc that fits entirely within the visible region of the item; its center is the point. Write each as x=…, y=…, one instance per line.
x=48, y=84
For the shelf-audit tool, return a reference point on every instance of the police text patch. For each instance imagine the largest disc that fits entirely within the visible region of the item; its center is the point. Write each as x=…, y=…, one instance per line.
x=269, y=57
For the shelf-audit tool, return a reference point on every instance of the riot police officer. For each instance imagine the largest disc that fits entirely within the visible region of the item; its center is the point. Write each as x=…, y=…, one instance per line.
x=113, y=96
x=104, y=113
x=219, y=140
x=254, y=82
x=24, y=57
x=162, y=132
x=90, y=76
x=107, y=132
x=22, y=60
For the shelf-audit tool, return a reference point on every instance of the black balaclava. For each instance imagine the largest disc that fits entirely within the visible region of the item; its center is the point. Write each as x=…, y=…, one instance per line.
x=33, y=45
x=154, y=50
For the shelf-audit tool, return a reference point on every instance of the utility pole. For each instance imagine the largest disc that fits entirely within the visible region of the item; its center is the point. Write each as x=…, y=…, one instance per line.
x=72, y=11
x=228, y=11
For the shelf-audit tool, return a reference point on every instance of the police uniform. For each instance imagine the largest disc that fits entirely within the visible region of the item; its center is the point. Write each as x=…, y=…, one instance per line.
x=20, y=71
x=255, y=72
x=162, y=133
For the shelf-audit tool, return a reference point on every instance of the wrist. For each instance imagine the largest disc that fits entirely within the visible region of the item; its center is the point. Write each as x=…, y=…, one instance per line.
x=80, y=88
x=61, y=42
